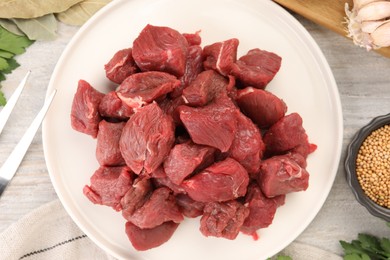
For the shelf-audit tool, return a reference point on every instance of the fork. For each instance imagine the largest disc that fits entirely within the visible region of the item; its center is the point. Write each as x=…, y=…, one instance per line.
x=10, y=166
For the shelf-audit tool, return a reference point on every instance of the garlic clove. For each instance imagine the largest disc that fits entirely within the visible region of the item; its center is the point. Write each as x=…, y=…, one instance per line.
x=381, y=36
x=370, y=26
x=374, y=11
x=357, y=4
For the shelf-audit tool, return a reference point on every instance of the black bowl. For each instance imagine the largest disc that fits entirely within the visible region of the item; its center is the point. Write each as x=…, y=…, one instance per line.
x=350, y=167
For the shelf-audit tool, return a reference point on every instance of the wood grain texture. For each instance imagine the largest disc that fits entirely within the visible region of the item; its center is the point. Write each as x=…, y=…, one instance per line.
x=330, y=14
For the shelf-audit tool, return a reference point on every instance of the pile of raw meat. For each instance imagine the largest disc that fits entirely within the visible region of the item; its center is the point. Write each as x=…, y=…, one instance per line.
x=190, y=131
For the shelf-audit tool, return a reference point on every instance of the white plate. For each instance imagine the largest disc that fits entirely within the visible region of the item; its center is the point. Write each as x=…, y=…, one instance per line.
x=305, y=82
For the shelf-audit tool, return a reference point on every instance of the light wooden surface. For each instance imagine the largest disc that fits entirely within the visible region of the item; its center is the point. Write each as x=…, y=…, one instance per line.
x=330, y=14
x=364, y=84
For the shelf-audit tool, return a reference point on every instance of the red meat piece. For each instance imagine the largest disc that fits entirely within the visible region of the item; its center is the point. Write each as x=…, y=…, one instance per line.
x=193, y=38
x=185, y=158
x=281, y=175
x=85, y=115
x=285, y=134
x=112, y=106
x=144, y=239
x=161, y=49
x=160, y=179
x=108, y=186
x=223, y=219
x=213, y=125
x=222, y=181
x=204, y=88
x=121, y=66
x=189, y=207
x=143, y=88
x=159, y=208
x=147, y=139
x=221, y=56
x=136, y=196
x=169, y=106
x=261, y=209
x=194, y=66
x=257, y=68
x=263, y=107
x=247, y=147
x=107, y=145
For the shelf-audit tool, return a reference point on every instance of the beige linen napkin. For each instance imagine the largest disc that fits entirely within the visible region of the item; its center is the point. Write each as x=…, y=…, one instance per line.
x=49, y=233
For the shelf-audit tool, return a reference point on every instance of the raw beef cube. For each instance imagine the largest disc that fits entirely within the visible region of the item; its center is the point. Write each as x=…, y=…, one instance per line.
x=161, y=49
x=144, y=239
x=285, y=134
x=136, y=196
x=213, y=125
x=147, y=138
x=143, y=88
x=109, y=185
x=169, y=106
x=221, y=56
x=281, y=175
x=193, y=38
x=107, y=145
x=257, y=68
x=112, y=106
x=263, y=107
x=222, y=181
x=185, y=158
x=189, y=207
x=298, y=158
x=194, y=66
x=166, y=182
x=223, y=219
x=247, y=147
x=159, y=208
x=304, y=148
x=261, y=209
x=85, y=115
x=160, y=179
x=204, y=88
x=120, y=66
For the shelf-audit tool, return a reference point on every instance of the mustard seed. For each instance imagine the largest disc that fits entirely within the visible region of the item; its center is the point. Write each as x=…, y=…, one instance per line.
x=372, y=166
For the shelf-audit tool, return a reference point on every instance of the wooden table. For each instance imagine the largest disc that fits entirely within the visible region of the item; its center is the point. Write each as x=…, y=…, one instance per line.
x=363, y=80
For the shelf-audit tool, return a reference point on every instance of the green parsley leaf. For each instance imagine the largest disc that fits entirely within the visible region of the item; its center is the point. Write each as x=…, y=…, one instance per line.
x=385, y=244
x=283, y=257
x=369, y=243
x=12, y=64
x=3, y=64
x=2, y=76
x=13, y=43
x=352, y=257
x=6, y=54
x=3, y=101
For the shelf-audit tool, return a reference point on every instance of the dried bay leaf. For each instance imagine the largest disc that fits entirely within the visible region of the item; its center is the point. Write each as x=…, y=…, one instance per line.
x=27, y=9
x=81, y=12
x=41, y=28
x=10, y=26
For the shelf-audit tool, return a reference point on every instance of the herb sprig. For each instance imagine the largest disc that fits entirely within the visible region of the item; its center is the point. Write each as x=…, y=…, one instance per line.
x=10, y=46
x=367, y=247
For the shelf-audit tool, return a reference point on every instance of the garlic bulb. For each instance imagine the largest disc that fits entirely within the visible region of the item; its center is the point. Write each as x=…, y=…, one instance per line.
x=369, y=23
